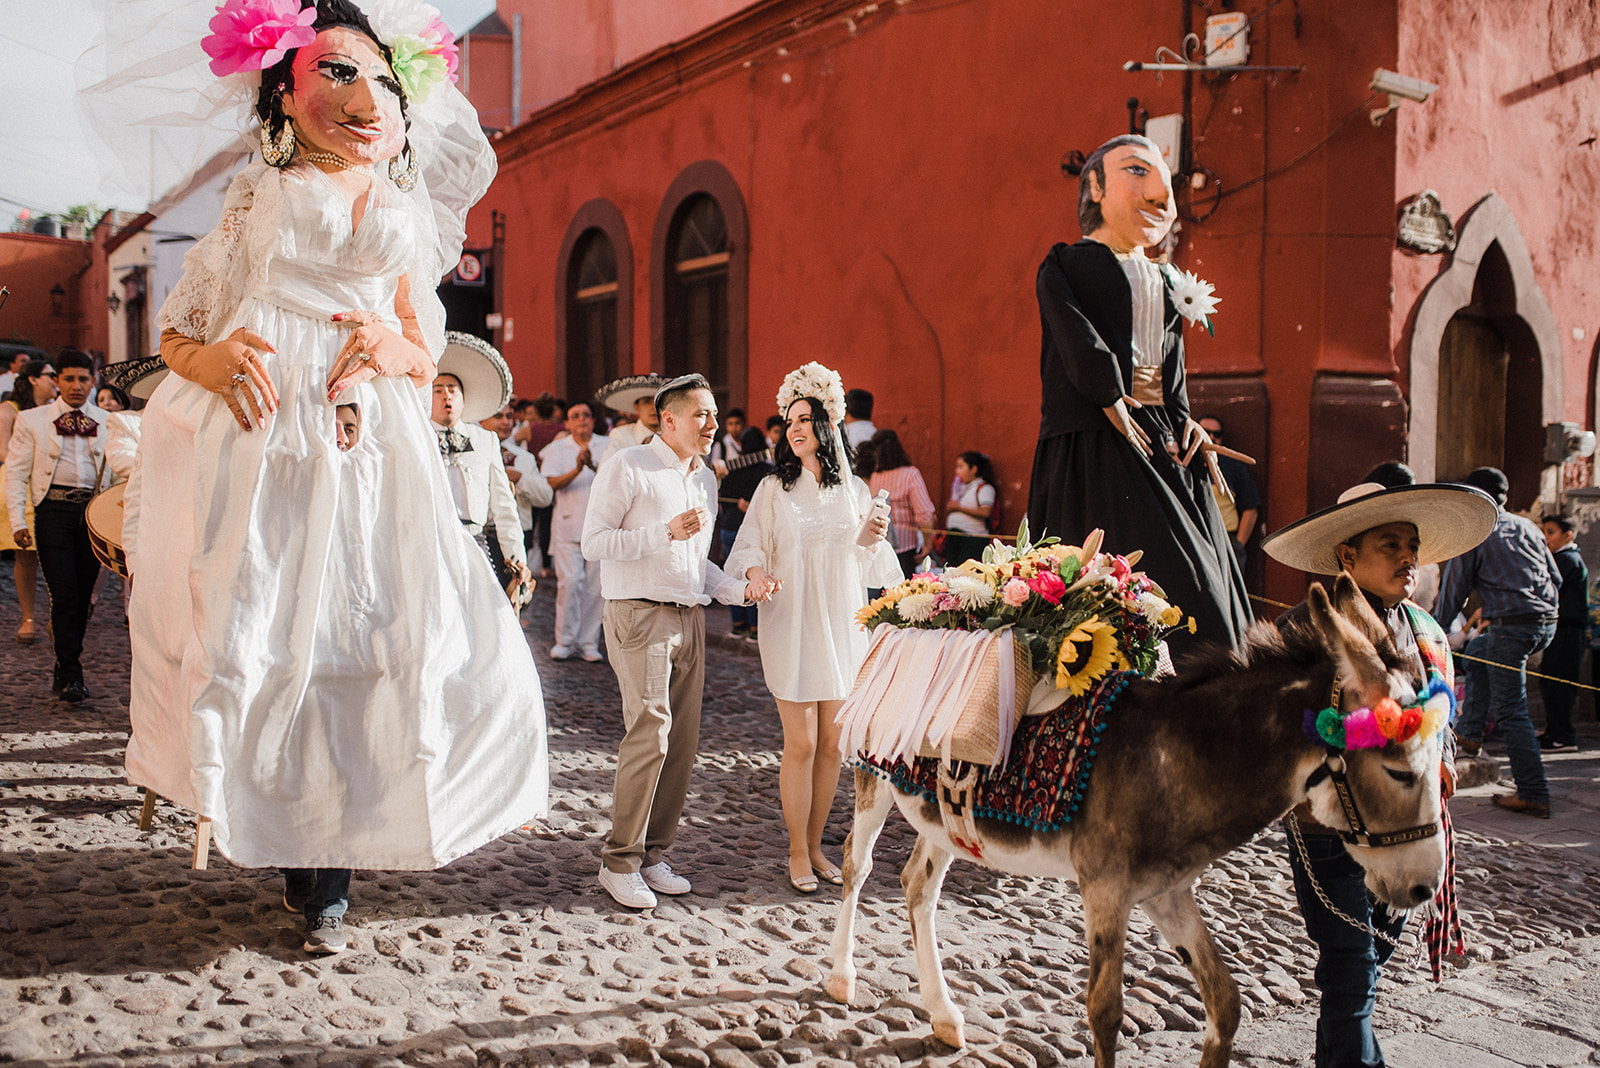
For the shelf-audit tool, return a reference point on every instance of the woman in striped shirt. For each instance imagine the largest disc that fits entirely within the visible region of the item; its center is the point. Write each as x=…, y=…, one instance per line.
x=910, y=507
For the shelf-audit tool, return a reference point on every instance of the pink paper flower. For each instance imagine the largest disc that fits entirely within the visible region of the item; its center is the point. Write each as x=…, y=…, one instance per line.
x=255, y=34
x=438, y=31
x=1016, y=593
x=1048, y=584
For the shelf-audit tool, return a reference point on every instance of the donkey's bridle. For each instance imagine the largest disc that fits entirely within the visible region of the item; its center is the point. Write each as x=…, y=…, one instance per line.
x=1332, y=767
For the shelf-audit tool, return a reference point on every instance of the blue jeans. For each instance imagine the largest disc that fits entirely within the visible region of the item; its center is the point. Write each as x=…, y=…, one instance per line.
x=1503, y=693
x=324, y=891
x=1348, y=958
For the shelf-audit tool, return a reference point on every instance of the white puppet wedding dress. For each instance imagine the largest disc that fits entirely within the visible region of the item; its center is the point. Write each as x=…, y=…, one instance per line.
x=323, y=662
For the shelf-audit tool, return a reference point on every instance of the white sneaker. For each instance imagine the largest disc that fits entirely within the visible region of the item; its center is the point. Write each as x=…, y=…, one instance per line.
x=592, y=654
x=628, y=888
x=560, y=652
x=663, y=880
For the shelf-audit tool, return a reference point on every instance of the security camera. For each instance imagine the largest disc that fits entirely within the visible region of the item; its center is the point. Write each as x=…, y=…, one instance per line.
x=1387, y=81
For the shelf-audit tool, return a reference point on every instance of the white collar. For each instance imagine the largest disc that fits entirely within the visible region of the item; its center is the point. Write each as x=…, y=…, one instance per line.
x=669, y=457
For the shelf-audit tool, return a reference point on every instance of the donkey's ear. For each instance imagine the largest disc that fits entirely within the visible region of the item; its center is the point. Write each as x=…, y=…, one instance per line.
x=1361, y=671
x=1354, y=606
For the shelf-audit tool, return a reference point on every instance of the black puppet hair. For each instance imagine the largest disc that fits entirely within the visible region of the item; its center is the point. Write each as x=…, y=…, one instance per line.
x=279, y=78
x=1090, y=218
x=828, y=449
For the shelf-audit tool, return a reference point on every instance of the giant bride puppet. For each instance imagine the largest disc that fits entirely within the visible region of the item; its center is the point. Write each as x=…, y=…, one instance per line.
x=323, y=663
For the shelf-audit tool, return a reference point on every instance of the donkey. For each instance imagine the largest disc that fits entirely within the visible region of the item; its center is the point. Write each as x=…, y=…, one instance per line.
x=1188, y=768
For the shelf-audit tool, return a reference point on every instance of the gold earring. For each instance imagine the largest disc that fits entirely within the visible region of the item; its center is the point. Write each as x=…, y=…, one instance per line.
x=405, y=178
x=277, y=151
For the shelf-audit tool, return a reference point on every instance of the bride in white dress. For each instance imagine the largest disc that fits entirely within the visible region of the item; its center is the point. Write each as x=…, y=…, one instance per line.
x=323, y=662
x=800, y=536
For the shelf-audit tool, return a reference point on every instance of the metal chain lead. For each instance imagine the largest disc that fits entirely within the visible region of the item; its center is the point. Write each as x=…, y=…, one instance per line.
x=1322, y=895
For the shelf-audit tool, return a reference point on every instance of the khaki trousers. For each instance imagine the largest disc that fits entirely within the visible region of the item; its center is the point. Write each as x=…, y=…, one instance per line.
x=658, y=654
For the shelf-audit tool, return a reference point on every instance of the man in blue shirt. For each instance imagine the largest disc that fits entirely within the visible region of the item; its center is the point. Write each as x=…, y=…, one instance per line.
x=1517, y=580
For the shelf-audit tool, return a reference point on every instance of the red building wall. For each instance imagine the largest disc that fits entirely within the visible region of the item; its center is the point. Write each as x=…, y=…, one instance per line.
x=31, y=265
x=1517, y=114
x=901, y=173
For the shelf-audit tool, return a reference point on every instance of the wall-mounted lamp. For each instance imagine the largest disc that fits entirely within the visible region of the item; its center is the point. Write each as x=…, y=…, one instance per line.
x=113, y=302
x=1399, y=87
x=58, y=300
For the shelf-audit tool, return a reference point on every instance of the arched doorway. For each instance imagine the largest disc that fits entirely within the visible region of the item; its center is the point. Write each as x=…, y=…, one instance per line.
x=594, y=301
x=697, y=294
x=699, y=297
x=592, y=317
x=1490, y=386
x=1485, y=360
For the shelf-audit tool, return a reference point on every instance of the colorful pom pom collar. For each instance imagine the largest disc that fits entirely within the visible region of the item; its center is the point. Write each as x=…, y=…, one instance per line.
x=1385, y=722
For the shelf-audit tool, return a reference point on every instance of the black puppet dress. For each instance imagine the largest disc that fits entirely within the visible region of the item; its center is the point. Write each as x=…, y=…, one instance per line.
x=1087, y=475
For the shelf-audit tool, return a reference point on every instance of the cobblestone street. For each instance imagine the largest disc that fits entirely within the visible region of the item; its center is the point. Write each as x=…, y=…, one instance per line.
x=113, y=951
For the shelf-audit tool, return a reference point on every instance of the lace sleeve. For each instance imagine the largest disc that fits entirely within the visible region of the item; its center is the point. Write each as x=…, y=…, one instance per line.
x=213, y=271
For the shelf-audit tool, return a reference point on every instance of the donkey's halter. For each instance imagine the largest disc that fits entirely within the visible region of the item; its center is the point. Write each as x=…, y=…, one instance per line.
x=1333, y=767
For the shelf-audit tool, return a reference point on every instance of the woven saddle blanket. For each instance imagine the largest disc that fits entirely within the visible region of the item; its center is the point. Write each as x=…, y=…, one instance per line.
x=1042, y=782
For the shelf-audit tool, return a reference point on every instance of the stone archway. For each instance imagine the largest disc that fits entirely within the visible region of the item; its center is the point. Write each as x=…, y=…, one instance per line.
x=1485, y=300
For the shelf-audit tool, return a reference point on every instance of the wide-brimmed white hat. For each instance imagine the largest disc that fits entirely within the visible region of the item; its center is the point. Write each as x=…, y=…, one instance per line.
x=1450, y=520
x=136, y=378
x=478, y=366
x=621, y=395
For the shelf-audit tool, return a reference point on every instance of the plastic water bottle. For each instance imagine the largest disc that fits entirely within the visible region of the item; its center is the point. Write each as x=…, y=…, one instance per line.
x=866, y=536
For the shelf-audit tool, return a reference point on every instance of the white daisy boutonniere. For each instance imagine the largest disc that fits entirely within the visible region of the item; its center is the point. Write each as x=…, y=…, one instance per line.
x=1192, y=296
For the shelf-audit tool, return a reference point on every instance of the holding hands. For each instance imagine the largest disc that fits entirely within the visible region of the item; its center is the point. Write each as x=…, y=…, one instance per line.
x=374, y=350
x=760, y=586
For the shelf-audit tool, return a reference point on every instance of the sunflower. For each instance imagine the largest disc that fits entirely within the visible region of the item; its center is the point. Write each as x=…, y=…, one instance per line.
x=1087, y=653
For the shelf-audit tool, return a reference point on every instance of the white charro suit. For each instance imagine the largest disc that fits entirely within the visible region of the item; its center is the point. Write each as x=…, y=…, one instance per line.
x=36, y=449
x=33, y=464
x=483, y=492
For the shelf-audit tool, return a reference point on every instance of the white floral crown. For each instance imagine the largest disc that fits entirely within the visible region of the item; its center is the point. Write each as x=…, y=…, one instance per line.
x=813, y=380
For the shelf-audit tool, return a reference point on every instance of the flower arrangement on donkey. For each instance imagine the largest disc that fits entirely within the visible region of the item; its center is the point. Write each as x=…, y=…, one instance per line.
x=1079, y=612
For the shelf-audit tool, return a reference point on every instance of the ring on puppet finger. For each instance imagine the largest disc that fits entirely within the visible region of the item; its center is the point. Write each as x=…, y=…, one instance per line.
x=238, y=378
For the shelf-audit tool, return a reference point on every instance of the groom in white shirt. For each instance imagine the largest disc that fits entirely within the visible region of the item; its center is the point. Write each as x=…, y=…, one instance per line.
x=649, y=526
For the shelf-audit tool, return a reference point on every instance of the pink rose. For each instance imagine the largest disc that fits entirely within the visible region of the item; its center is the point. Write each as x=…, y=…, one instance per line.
x=1048, y=584
x=255, y=34
x=1015, y=593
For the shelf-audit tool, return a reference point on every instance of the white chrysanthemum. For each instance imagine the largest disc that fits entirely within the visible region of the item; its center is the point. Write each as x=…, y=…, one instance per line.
x=1193, y=297
x=971, y=590
x=813, y=380
x=392, y=19
x=916, y=607
x=1152, y=607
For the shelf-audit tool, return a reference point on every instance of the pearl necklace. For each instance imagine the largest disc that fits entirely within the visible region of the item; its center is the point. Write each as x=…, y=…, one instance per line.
x=337, y=161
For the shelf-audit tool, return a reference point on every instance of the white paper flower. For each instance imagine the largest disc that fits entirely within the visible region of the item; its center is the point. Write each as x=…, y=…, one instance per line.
x=1192, y=297
x=1152, y=607
x=392, y=19
x=916, y=607
x=971, y=590
x=813, y=380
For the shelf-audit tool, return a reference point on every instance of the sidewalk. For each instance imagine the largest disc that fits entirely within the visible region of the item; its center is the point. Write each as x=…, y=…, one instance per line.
x=114, y=952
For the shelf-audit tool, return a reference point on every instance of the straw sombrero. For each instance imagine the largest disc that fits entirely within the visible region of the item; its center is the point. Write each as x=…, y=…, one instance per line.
x=485, y=379
x=620, y=395
x=136, y=378
x=1450, y=520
